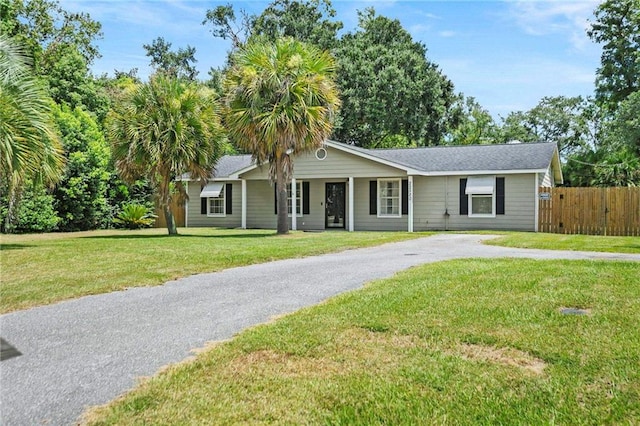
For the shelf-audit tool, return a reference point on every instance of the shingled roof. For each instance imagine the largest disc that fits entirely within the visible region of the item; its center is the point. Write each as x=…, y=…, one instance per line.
x=469, y=158
x=510, y=157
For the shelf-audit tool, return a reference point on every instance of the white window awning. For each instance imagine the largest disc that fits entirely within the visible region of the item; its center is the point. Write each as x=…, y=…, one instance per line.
x=480, y=184
x=212, y=190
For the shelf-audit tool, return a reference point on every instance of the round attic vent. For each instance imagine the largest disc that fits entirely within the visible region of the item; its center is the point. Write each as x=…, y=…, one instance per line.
x=321, y=153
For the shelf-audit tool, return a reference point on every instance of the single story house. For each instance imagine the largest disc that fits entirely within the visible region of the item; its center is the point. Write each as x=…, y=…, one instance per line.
x=340, y=186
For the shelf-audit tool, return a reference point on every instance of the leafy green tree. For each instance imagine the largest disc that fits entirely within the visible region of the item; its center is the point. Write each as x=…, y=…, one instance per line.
x=29, y=145
x=179, y=63
x=63, y=45
x=617, y=29
x=555, y=119
x=71, y=83
x=80, y=197
x=163, y=129
x=308, y=21
x=620, y=151
x=474, y=125
x=44, y=26
x=388, y=87
x=224, y=24
x=280, y=99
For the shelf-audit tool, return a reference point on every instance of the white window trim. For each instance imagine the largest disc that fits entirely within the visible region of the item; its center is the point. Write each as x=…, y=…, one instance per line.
x=379, y=209
x=298, y=183
x=493, y=203
x=223, y=197
x=493, y=206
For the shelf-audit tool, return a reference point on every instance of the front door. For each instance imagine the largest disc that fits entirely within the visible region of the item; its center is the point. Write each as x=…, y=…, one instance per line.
x=334, y=205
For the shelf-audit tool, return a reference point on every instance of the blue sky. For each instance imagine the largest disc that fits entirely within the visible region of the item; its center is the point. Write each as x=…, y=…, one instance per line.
x=506, y=54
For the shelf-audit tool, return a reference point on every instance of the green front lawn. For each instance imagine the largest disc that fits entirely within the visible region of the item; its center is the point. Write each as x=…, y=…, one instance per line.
x=46, y=268
x=457, y=342
x=568, y=242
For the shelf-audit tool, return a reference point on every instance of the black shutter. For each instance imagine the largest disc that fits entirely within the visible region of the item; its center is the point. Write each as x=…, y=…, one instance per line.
x=305, y=198
x=373, y=197
x=464, y=199
x=275, y=198
x=500, y=195
x=203, y=206
x=228, y=198
x=405, y=196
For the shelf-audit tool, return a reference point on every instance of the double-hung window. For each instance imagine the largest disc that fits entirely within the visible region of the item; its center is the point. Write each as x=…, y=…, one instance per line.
x=298, y=199
x=481, y=193
x=215, y=194
x=389, y=198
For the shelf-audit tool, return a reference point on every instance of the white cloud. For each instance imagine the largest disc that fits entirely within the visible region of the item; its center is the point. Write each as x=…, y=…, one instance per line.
x=418, y=29
x=447, y=34
x=570, y=18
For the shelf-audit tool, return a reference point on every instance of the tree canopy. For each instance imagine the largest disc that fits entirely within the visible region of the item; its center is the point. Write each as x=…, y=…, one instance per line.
x=175, y=63
x=388, y=87
x=617, y=29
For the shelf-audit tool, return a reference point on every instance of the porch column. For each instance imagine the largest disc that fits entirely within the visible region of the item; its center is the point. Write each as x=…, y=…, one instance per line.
x=294, y=211
x=186, y=206
x=244, y=204
x=536, y=203
x=410, y=196
x=351, y=205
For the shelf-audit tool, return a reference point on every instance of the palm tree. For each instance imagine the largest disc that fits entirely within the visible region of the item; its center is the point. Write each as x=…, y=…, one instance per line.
x=29, y=145
x=163, y=129
x=280, y=98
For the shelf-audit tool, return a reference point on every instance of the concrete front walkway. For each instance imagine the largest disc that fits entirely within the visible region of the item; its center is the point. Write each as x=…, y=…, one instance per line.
x=87, y=351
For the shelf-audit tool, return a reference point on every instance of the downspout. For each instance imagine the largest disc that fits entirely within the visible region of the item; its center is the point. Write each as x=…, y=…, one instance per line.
x=446, y=203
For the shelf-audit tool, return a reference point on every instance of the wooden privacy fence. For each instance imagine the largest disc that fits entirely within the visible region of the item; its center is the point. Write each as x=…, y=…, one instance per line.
x=178, y=216
x=592, y=211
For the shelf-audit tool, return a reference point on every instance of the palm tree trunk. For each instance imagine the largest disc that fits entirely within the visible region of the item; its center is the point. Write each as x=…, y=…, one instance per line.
x=9, y=221
x=281, y=190
x=13, y=195
x=165, y=203
x=171, y=223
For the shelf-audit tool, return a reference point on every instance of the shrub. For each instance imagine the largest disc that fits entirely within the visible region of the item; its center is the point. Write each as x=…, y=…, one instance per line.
x=34, y=212
x=135, y=216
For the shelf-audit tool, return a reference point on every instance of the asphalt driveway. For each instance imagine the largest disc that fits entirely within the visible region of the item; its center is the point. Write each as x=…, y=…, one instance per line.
x=87, y=351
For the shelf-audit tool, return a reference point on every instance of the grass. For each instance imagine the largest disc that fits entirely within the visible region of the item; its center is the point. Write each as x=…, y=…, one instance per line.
x=457, y=342
x=568, y=242
x=46, y=268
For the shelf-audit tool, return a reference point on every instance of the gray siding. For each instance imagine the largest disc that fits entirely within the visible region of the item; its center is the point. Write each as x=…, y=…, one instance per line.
x=261, y=205
x=195, y=219
x=432, y=197
x=369, y=222
x=430, y=194
x=336, y=165
x=429, y=203
x=546, y=180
